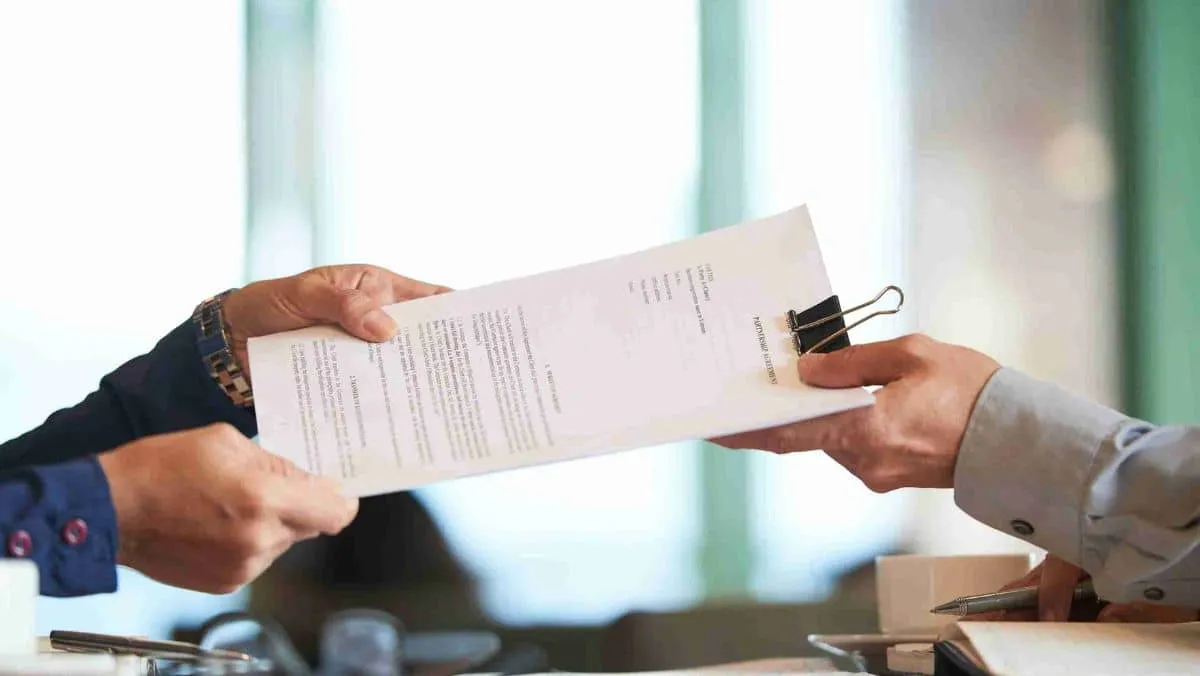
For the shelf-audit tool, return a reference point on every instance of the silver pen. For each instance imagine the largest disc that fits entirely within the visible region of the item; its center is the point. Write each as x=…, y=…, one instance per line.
x=1013, y=599
x=79, y=641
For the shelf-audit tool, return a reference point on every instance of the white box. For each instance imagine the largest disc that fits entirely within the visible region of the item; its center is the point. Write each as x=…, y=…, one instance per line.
x=18, y=604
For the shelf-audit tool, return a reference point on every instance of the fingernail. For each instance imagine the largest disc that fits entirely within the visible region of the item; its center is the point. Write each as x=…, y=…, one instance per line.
x=379, y=324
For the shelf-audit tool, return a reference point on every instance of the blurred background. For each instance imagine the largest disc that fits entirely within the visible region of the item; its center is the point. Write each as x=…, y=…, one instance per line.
x=1025, y=169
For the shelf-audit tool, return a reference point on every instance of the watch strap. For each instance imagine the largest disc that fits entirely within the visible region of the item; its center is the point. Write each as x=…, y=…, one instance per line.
x=213, y=342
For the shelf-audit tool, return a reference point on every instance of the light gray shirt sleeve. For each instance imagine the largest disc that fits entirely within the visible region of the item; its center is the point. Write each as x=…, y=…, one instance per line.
x=1116, y=496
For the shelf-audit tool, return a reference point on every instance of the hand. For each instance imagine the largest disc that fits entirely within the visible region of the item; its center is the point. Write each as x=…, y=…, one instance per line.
x=1056, y=580
x=209, y=510
x=911, y=436
x=351, y=296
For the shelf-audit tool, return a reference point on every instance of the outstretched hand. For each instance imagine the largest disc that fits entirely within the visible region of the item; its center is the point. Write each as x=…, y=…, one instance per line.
x=351, y=296
x=207, y=509
x=911, y=436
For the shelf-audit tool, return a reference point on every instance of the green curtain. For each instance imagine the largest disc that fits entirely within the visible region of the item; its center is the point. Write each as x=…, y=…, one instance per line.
x=725, y=558
x=1156, y=95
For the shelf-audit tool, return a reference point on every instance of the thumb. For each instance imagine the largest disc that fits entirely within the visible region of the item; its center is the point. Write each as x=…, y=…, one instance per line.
x=1114, y=612
x=354, y=310
x=859, y=365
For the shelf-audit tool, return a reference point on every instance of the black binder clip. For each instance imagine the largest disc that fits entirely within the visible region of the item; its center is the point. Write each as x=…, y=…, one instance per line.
x=821, y=328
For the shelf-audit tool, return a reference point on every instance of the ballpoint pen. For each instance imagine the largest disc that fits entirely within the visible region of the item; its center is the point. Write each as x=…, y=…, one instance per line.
x=77, y=641
x=1012, y=599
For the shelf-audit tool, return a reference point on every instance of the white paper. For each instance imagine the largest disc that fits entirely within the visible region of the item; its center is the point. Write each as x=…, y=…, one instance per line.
x=683, y=341
x=1094, y=648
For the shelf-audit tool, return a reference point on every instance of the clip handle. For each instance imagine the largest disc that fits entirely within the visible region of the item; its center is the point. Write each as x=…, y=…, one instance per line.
x=797, y=328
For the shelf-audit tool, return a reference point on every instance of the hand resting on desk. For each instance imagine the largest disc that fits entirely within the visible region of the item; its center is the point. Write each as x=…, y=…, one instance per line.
x=1056, y=580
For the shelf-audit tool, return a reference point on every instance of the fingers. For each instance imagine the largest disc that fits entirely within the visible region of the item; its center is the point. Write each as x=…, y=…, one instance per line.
x=859, y=365
x=819, y=433
x=1017, y=615
x=1056, y=590
x=1030, y=579
x=1140, y=611
x=302, y=501
x=1116, y=612
x=306, y=503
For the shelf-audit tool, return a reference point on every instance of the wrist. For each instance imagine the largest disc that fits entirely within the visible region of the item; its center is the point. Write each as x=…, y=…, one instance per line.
x=123, y=491
x=222, y=350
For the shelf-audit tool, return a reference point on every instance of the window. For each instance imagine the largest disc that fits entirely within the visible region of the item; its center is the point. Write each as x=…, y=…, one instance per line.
x=461, y=142
x=469, y=142
x=826, y=127
x=121, y=166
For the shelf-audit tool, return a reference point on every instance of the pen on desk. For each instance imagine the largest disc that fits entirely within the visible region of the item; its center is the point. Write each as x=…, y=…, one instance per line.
x=1013, y=599
x=78, y=641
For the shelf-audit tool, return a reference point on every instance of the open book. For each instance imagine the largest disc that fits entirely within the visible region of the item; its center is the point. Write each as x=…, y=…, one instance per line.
x=683, y=341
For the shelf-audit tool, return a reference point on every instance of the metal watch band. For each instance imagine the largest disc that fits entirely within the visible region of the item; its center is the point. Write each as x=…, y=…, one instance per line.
x=212, y=339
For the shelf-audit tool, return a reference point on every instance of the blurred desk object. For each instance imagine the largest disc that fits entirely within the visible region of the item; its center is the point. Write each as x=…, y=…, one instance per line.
x=727, y=633
x=394, y=558
x=18, y=599
x=705, y=635
x=788, y=665
x=813, y=666
x=738, y=632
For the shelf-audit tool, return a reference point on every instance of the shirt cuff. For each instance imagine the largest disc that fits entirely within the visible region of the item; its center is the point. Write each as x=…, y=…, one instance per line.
x=1026, y=458
x=62, y=518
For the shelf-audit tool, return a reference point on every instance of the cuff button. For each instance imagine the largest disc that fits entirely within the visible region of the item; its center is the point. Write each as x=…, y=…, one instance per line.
x=1021, y=527
x=75, y=532
x=20, y=544
x=1153, y=594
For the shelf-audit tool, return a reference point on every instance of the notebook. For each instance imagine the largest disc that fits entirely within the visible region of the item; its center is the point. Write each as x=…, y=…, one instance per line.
x=1094, y=648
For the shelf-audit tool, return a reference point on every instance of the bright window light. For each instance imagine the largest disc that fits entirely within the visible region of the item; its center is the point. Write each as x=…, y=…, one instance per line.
x=826, y=128
x=121, y=170
x=469, y=142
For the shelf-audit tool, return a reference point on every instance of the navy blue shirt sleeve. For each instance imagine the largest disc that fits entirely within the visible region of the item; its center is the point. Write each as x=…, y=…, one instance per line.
x=165, y=390
x=55, y=507
x=61, y=517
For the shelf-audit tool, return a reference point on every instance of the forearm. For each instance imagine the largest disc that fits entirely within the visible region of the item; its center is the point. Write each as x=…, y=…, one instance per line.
x=1116, y=496
x=61, y=517
x=164, y=390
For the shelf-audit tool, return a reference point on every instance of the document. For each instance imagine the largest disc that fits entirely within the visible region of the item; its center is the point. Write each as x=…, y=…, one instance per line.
x=683, y=341
x=1094, y=648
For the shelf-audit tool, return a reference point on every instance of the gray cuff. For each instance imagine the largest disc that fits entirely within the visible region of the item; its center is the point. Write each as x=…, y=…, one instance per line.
x=1026, y=458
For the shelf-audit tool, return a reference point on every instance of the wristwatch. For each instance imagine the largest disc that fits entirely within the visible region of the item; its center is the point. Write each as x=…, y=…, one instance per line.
x=212, y=339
